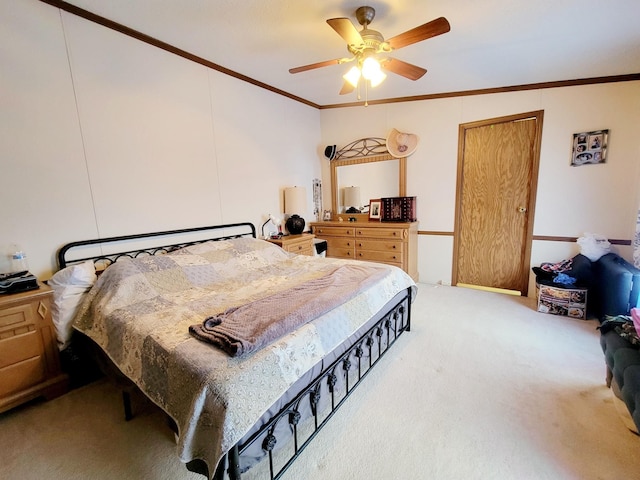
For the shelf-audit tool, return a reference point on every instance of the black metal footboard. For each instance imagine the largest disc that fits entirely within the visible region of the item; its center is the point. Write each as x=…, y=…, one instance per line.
x=349, y=369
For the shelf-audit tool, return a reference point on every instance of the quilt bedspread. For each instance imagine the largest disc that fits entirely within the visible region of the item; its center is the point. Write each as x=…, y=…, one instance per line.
x=140, y=310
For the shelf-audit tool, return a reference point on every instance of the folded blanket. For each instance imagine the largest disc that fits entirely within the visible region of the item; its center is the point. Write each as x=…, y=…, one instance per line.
x=245, y=329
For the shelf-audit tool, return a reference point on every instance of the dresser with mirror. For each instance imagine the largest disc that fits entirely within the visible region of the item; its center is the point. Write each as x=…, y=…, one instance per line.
x=354, y=235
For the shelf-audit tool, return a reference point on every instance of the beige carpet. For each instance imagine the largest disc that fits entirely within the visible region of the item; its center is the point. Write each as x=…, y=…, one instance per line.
x=483, y=387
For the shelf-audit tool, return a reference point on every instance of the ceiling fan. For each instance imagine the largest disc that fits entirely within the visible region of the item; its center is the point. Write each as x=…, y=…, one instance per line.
x=366, y=45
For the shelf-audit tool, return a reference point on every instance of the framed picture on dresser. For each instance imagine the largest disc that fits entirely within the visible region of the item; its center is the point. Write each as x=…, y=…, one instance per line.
x=375, y=207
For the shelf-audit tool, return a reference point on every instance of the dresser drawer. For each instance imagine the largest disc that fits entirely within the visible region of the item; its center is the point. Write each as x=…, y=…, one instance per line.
x=13, y=318
x=342, y=247
x=302, y=248
x=379, y=245
x=381, y=232
x=394, y=258
x=20, y=347
x=340, y=242
x=334, y=231
x=22, y=375
x=341, y=252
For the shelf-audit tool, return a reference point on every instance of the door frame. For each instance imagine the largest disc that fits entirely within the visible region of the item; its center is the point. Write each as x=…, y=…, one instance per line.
x=526, y=256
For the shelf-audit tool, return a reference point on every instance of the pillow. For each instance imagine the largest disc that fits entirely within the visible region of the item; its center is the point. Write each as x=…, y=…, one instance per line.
x=635, y=316
x=69, y=287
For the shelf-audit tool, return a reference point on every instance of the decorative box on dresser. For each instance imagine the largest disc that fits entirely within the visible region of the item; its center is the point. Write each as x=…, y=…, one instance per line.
x=386, y=242
x=29, y=357
x=301, y=244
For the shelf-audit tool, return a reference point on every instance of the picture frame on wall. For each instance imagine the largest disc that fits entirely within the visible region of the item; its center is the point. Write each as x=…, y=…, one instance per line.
x=375, y=209
x=589, y=148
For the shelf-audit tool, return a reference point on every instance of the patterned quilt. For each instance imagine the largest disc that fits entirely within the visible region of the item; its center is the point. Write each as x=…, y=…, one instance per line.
x=140, y=310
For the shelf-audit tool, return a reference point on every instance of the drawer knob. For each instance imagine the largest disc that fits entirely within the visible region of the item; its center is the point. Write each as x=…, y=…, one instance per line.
x=395, y=233
x=393, y=247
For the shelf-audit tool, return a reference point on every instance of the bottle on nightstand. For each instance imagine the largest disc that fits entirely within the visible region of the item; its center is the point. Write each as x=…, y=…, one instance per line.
x=17, y=278
x=18, y=260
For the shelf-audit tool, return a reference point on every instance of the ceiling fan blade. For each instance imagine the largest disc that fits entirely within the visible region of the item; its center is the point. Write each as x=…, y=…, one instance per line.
x=326, y=63
x=346, y=30
x=430, y=29
x=407, y=70
x=347, y=88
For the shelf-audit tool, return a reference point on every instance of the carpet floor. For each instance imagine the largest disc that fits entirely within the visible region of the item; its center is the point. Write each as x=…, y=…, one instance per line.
x=483, y=387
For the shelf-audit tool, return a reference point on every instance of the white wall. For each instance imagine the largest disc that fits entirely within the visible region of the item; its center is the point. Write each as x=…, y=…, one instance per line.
x=103, y=135
x=570, y=200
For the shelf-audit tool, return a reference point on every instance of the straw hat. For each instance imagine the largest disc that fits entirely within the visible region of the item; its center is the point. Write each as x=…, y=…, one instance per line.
x=401, y=144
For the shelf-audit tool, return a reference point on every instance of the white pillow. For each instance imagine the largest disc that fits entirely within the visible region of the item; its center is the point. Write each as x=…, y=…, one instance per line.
x=69, y=287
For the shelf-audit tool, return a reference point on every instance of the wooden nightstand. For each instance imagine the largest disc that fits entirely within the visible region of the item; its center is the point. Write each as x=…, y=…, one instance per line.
x=29, y=357
x=301, y=244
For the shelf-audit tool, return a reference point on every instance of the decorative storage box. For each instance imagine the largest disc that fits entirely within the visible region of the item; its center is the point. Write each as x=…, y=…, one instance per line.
x=398, y=209
x=570, y=302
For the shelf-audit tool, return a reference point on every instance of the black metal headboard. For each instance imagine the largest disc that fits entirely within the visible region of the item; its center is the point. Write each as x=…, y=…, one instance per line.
x=187, y=236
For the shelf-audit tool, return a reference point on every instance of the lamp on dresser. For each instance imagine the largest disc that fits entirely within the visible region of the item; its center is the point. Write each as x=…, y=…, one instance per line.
x=295, y=202
x=352, y=199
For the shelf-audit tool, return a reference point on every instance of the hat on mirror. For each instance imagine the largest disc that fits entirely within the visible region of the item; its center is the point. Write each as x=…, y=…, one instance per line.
x=330, y=152
x=401, y=144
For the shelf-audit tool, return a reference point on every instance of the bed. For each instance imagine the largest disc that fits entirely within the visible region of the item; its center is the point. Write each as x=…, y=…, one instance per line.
x=259, y=402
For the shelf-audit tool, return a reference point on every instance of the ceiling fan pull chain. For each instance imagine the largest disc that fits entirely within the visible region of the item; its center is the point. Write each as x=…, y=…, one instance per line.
x=366, y=93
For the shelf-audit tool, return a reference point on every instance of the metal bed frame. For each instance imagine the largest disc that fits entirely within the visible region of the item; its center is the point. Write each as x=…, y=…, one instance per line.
x=245, y=229
x=365, y=352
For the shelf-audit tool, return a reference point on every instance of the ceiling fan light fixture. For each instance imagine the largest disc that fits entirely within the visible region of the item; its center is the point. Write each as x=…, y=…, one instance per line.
x=377, y=79
x=352, y=76
x=371, y=71
x=370, y=68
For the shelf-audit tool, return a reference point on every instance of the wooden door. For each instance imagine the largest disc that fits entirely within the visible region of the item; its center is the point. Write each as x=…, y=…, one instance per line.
x=497, y=177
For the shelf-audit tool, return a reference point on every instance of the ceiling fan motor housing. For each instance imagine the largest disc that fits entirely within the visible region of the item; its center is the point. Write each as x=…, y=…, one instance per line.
x=372, y=40
x=365, y=15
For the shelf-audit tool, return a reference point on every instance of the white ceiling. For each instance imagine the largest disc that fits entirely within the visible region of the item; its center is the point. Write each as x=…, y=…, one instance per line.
x=492, y=43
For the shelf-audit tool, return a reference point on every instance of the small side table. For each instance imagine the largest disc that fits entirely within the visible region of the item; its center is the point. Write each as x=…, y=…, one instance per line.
x=301, y=244
x=29, y=357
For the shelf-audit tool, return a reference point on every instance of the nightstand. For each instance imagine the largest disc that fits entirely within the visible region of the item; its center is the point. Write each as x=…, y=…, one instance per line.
x=301, y=244
x=29, y=357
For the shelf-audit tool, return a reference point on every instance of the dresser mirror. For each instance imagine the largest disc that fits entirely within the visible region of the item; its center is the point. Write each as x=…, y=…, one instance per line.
x=377, y=176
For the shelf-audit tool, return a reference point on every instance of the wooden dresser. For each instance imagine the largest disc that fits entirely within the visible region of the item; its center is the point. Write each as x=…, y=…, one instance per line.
x=29, y=357
x=301, y=244
x=392, y=243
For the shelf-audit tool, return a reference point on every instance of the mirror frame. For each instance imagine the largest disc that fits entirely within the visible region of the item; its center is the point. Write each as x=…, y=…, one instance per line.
x=402, y=175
